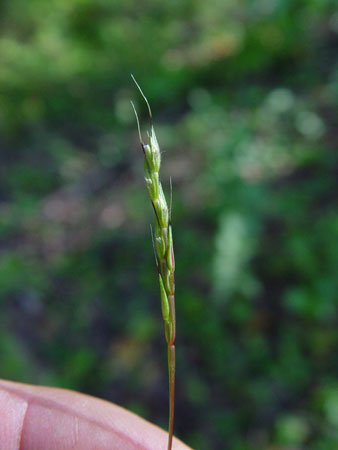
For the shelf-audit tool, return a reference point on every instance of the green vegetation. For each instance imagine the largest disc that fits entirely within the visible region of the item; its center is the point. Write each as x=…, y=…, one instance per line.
x=245, y=95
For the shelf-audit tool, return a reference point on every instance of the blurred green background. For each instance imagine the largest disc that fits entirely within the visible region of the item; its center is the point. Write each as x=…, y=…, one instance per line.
x=244, y=95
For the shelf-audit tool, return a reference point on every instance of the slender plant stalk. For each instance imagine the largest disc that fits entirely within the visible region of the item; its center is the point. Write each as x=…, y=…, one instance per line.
x=163, y=250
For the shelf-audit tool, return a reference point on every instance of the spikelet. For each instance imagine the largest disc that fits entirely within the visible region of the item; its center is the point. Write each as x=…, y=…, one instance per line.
x=163, y=249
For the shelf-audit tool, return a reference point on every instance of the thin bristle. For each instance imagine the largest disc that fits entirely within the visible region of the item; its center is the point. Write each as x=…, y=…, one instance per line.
x=145, y=98
x=138, y=122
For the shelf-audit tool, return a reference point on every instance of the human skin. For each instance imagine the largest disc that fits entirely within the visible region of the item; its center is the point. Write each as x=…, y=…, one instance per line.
x=45, y=418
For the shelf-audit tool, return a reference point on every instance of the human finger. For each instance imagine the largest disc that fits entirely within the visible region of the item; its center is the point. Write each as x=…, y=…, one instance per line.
x=44, y=418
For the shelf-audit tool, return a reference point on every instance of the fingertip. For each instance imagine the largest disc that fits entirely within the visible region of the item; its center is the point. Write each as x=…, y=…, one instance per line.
x=36, y=418
x=13, y=410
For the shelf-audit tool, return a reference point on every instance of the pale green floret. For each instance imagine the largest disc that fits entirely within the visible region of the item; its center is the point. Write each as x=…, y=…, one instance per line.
x=162, y=213
x=162, y=209
x=160, y=242
x=147, y=169
x=152, y=152
x=156, y=183
x=155, y=150
x=168, y=280
x=152, y=159
x=153, y=140
x=147, y=151
x=152, y=182
x=164, y=301
x=170, y=259
x=150, y=186
x=160, y=246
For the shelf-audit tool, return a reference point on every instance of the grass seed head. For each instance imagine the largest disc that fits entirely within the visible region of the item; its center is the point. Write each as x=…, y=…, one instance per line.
x=163, y=248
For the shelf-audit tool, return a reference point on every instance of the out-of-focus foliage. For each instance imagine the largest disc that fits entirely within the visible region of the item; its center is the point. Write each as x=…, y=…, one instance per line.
x=245, y=97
